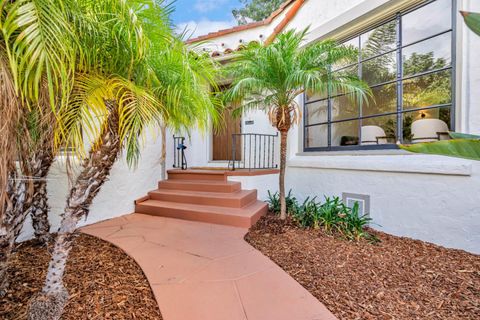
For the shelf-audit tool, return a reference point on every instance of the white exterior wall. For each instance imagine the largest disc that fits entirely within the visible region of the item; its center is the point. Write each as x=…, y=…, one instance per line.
x=116, y=196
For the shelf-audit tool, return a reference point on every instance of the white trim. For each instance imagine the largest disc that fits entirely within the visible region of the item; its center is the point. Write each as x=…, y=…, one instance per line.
x=362, y=16
x=424, y=164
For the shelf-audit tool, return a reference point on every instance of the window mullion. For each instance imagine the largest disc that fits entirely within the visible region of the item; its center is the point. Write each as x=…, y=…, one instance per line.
x=453, y=63
x=329, y=109
x=399, y=80
x=360, y=104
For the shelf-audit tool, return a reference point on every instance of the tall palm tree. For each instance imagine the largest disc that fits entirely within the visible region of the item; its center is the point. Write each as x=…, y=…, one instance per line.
x=36, y=59
x=271, y=77
x=116, y=109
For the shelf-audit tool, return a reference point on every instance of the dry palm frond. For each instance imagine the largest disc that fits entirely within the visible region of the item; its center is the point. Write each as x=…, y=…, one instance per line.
x=11, y=113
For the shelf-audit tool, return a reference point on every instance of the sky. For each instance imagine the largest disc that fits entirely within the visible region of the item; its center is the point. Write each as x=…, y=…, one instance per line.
x=203, y=16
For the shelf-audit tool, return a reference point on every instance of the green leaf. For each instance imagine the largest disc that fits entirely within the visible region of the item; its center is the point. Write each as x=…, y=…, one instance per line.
x=457, y=135
x=472, y=20
x=460, y=148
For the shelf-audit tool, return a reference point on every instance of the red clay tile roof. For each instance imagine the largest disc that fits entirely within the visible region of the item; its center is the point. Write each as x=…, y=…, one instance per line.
x=243, y=27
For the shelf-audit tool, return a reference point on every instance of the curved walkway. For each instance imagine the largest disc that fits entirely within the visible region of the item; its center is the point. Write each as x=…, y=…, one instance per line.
x=208, y=272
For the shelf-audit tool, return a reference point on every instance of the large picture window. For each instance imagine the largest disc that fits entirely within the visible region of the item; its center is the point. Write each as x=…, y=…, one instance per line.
x=408, y=63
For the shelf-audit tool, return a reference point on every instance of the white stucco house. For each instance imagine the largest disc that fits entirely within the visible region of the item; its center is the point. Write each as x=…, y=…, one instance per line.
x=422, y=64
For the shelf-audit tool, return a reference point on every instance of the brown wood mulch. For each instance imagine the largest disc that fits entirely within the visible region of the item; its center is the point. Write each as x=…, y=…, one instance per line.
x=103, y=282
x=398, y=278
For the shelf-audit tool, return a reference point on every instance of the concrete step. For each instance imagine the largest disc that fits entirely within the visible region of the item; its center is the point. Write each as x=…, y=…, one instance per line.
x=239, y=217
x=206, y=175
x=236, y=199
x=200, y=185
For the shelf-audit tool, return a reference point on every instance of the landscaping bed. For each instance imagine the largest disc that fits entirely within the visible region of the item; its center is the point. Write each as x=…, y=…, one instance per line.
x=397, y=278
x=103, y=282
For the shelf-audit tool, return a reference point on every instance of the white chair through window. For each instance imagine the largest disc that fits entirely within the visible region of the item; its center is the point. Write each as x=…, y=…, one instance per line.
x=428, y=130
x=372, y=135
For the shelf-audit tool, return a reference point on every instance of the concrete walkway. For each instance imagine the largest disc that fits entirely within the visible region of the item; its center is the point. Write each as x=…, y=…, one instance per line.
x=205, y=271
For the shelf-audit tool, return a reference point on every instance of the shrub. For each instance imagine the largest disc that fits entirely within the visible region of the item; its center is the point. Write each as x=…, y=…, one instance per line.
x=274, y=202
x=333, y=216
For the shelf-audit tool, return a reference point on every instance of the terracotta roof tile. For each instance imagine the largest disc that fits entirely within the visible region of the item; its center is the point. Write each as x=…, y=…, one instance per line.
x=242, y=27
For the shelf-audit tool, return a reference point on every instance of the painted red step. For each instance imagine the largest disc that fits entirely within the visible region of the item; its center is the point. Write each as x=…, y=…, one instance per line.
x=200, y=185
x=236, y=199
x=215, y=175
x=239, y=217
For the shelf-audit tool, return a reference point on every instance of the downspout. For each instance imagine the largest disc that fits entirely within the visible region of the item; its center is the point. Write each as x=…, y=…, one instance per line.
x=288, y=17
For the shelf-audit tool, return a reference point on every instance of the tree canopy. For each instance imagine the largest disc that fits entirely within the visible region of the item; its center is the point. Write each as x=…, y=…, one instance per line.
x=255, y=10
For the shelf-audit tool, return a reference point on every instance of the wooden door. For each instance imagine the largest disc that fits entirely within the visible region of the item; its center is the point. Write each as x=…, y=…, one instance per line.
x=222, y=140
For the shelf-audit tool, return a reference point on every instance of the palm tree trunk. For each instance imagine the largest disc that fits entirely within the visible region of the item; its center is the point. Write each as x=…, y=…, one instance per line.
x=49, y=304
x=283, y=164
x=39, y=209
x=19, y=197
x=163, y=156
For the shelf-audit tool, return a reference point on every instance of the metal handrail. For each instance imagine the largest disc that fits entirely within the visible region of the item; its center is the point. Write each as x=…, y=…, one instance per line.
x=179, y=158
x=257, y=151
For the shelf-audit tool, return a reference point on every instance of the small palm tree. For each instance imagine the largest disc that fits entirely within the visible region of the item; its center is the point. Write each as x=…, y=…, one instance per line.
x=271, y=77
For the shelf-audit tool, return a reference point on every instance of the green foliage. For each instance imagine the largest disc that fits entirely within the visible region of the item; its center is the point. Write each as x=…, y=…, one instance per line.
x=333, y=216
x=255, y=10
x=271, y=77
x=472, y=20
x=274, y=202
x=460, y=148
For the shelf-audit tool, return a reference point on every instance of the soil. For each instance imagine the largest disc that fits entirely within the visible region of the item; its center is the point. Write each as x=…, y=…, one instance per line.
x=103, y=282
x=397, y=278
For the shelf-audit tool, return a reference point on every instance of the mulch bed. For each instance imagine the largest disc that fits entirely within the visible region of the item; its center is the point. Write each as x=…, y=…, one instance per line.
x=398, y=278
x=103, y=282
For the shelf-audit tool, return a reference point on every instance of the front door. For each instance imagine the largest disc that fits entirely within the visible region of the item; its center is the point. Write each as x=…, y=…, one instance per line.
x=222, y=140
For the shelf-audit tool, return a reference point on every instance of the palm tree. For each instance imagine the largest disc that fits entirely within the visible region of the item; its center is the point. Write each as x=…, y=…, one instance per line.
x=35, y=73
x=116, y=109
x=271, y=77
x=182, y=82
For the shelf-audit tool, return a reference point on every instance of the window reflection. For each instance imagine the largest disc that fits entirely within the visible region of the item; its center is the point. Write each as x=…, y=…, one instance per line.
x=381, y=69
x=427, y=55
x=345, y=133
x=429, y=90
x=425, y=82
x=383, y=100
x=316, y=137
x=379, y=40
x=317, y=112
x=344, y=107
x=427, y=21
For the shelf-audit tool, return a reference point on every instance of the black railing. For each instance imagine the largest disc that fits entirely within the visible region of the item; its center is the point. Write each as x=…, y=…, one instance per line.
x=253, y=151
x=179, y=159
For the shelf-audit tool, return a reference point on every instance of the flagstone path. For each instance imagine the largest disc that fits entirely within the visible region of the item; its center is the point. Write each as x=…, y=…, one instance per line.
x=201, y=271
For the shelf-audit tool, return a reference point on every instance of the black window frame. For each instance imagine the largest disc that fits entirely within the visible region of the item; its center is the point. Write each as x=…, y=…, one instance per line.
x=399, y=80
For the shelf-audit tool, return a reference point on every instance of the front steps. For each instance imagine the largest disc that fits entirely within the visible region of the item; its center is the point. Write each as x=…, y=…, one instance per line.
x=205, y=196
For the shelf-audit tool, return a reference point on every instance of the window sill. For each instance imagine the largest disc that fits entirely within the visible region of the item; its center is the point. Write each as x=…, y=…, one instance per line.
x=396, y=161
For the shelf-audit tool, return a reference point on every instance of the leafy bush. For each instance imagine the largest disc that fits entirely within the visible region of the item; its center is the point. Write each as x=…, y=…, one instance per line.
x=274, y=202
x=333, y=216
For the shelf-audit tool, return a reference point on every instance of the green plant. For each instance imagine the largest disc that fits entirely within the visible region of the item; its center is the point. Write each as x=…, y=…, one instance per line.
x=352, y=224
x=274, y=202
x=307, y=214
x=333, y=216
